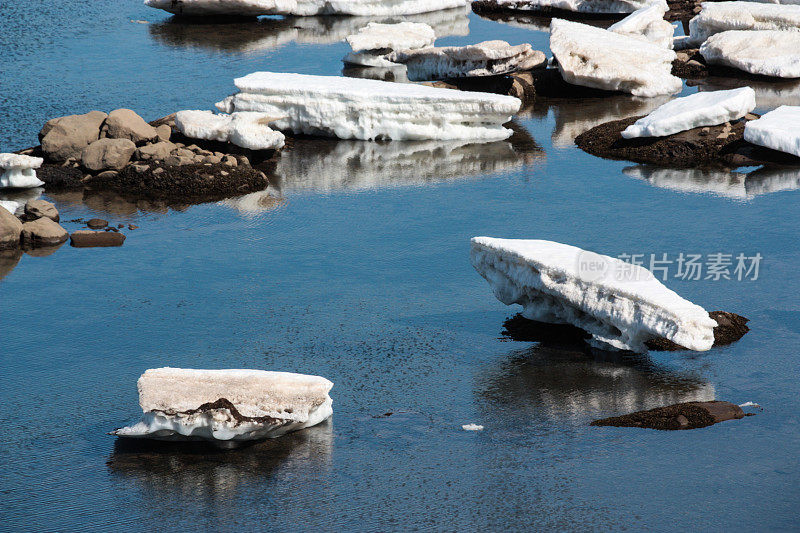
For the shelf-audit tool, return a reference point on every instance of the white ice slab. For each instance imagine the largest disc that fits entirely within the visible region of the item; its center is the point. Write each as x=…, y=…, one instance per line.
x=621, y=305
x=242, y=8
x=400, y=36
x=717, y=17
x=18, y=171
x=763, y=52
x=351, y=108
x=247, y=130
x=693, y=111
x=267, y=404
x=10, y=205
x=580, y=6
x=647, y=24
x=598, y=58
x=779, y=129
x=488, y=58
x=254, y=8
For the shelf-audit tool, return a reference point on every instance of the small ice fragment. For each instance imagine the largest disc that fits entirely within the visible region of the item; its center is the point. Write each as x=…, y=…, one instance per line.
x=18, y=171
x=472, y=427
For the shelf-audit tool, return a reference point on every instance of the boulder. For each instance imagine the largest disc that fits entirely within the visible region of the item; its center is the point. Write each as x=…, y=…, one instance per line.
x=41, y=208
x=158, y=151
x=108, y=153
x=66, y=137
x=42, y=232
x=126, y=124
x=10, y=229
x=97, y=223
x=96, y=239
x=164, y=132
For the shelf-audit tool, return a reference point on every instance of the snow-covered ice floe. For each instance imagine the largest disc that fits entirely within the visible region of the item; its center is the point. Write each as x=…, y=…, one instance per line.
x=647, y=24
x=578, y=6
x=621, y=305
x=779, y=129
x=303, y=8
x=10, y=205
x=18, y=171
x=598, y=58
x=717, y=17
x=227, y=405
x=693, y=111
x=351, y=108
x=488, y=58
x=375, y=41
x=763, y=52
x=246, y=130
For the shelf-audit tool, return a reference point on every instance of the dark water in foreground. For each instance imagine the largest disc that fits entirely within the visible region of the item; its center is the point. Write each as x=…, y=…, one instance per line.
x=360, y=273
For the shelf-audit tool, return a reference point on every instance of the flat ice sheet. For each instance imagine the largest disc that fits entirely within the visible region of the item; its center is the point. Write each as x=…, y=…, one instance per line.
x=255, y=8
x=779, y=129
x=400, y=36
x=763, y=52
x=717, y=17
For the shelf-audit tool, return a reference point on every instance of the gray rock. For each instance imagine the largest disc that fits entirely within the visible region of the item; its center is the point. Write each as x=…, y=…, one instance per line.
x=230, y=161
x=66, y=137
x=164, y=132
x=212, y=159
x=178, y=160
x=42, y=232
x=126, y=124
x=10, y=229
x=108, y=153
x=158, y=151
x=41, y=208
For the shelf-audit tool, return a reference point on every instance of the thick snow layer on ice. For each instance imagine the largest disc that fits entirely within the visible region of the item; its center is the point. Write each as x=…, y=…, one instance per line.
x=594, y=57
x=483, y=59
x=17, y=171
x=581, y=6
x=400, y=36
x=647, y=24
x=764, y=52
x=267, y=404
x=351, y=108
x=247, y=130
x=693, y=111
x=254, y=8
x=779, y=129
x=621, y=305
x=717, y=17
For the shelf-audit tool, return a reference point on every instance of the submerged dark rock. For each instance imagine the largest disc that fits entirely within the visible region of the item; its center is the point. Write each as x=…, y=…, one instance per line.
x=96, y=239
x=689, y=415
x=97, y=223
x=731, y=327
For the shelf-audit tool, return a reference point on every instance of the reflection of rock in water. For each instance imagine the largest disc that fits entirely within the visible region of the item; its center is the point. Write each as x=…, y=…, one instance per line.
x=110, y=203
x=557, y=384
x=573, y=117
x=8, y=261
x=730, y=184
x=769, y=94
x=188, y=470
x=271, y=33
x=323, y=165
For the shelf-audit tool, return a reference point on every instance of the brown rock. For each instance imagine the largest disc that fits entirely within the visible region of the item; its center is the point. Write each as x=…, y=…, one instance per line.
x=689, y=415
x=212, y=159
x=41, y=208
x=177, y=160
x=107, y=175
x=230, y=161
x=42, y=232
x=10, y=229
x=66, y=137
x=97, y=223
x=126, y=124
x=164, y=132
x=108, y=153
x=93, y=239
x=159, y=150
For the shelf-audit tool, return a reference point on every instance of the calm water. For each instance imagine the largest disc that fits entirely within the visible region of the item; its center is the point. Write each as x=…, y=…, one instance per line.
x=354, y=265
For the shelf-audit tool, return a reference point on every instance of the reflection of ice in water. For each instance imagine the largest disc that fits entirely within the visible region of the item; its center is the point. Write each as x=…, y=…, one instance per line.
x=730, y=184
x=559, y=384
x=254, y=203
x=534, y=22
x=769, y=94
x=270, y=33
x=21, y=195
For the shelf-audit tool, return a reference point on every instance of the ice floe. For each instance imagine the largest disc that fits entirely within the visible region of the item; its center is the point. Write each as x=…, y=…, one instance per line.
x=598, y=58
x=18, y=171
x=10, y=205
x=374, y=42
x=303, y=8
x=779, y=129
x=620, y=304
x=244, y=129
x=487, y=58
x=763, y=52
x=351, y=108
x=227, y=405
x=693, y=111
x=579, y=6
x=647, y=24
x=717, y=17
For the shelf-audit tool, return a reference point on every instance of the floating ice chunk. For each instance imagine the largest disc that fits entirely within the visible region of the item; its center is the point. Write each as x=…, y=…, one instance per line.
x=488, y=58
x=621, y=305
x=247, y=130
x=580, y=6
x=766, y=52
x=693, y=111
x=598, y=58
x=717, y=17
x=242, y=8
x=351, y=108
x=227, y=405
x=472, y=427
x=10, y=205
x=18, y=171
x=647, y=24
x=255, y=8
x=399, y=36
x=779, y=129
